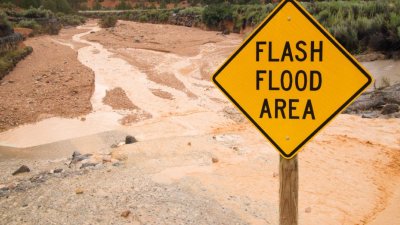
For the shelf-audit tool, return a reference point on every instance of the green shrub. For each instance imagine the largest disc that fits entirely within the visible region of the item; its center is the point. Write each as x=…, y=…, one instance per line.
x=108, y=21
x=163, y=16
x=215, y=14
x=143, y=18
x=398, y=32
x=70, y=20
x=10, y=59
x=123, y=5
x=192, y=11
x=5, y=26
x=31, y=24
x=346, y=35
x=28, y=3
x=323, y=16
x=37, y=13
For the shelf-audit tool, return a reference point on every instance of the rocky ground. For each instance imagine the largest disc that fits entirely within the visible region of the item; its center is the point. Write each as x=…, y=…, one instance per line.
x=50, y=82
x=195, y=159
x=382, y=102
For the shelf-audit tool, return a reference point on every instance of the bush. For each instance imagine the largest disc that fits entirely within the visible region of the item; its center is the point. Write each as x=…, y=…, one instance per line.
x=5, y=26
x=10, y=59
x=123, y=5
x=31, y=24
x=143, y=18
x=37, y=13
x=70, y=20
x=108, y=21
x=56, y=5
x=214, y=15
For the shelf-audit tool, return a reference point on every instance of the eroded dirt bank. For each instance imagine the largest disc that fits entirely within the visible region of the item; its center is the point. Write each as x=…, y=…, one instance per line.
x=198, y=161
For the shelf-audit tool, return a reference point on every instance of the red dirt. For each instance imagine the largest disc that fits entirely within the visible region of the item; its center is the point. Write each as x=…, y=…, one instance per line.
x=117, y=99
x=45, y=84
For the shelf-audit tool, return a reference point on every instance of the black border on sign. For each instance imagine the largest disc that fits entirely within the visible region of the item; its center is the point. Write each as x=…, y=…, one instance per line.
x=330, y=38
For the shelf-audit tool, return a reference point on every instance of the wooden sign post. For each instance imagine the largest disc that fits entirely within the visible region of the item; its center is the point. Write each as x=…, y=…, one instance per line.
x=288, y=191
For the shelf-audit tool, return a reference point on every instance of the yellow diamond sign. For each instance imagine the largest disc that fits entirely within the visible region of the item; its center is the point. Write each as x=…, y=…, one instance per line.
x=290, y=77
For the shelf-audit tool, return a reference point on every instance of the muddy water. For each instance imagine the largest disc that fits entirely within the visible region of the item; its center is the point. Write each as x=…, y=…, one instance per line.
x=185, y=111
x=384, y=69
x=112, y=71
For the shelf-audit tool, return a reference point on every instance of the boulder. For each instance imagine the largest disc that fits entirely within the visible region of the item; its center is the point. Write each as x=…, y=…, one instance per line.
x=389, y=109
x=130, y=139
x=22, y=169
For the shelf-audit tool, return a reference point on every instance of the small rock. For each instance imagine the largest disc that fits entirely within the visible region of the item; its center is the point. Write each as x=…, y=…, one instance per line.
x=83, y=119
x=12, y=186
x=215, y=160
x=79, y=191
x=114, y=146
x=78, y=157
x=107, y=158
x=114, y=160
x=3, y=188
x=389, y=109
x=40, y=178
x=308, y=210
x=99, y=166
x=57, y=171
x=189, y=144
x=371, y=115
x=85, y=165
x=116, y=164
x=275, y=174
x=130, y=139
x=22, y=169
x=126, y=213
x=118, y=155
x=75, y=154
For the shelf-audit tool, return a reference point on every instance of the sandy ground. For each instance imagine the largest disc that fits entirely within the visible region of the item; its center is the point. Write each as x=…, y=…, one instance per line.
x=198, y=161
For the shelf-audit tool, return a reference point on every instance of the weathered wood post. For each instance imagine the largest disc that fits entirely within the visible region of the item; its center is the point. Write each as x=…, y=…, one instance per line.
x=288, y=191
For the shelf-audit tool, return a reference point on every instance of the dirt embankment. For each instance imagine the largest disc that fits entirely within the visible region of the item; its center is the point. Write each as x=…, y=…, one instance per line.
x=158, y=37
x=383, y=102
x=50, y=82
